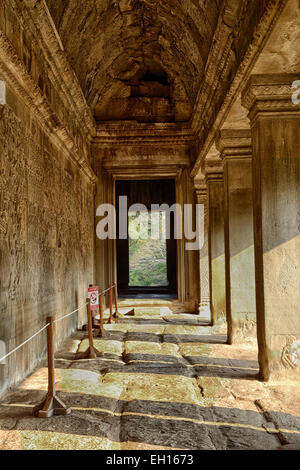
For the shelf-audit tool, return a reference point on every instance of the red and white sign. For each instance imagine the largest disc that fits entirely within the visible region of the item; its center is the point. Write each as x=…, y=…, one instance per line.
x=93, y=294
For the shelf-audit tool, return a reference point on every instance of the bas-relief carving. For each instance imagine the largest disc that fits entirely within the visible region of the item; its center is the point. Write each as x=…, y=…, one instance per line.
x=11, y=210
x=46, y=208
x=290, y=355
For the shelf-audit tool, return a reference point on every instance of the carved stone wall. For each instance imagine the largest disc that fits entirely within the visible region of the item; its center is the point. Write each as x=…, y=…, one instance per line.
x=33, y=63
x=46, y=238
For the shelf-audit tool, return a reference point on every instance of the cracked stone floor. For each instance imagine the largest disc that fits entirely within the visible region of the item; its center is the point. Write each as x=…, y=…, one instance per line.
x=166, y=382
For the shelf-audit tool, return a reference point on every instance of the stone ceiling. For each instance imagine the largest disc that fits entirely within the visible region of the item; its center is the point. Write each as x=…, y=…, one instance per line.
x=157, y=60
x=114, y=45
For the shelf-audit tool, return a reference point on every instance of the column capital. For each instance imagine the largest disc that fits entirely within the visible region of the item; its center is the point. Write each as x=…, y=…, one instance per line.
x=234, y=143
x=213, y=170
x=201, y=191
x=270, y=93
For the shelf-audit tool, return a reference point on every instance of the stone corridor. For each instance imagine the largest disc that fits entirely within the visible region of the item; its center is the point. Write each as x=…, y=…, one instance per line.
x=161, y=382
x=188, y=110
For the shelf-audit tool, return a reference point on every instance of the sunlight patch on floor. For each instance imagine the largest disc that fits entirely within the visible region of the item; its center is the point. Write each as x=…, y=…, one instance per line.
x=43, y=440
x=108, y=347
x=160, y=388
x=148, y=347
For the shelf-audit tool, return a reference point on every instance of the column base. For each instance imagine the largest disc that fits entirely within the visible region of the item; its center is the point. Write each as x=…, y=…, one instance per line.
x=204, y=310
x=243, y=330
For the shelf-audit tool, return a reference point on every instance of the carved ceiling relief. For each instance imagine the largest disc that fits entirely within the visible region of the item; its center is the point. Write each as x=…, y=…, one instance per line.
x=128, y=41
x=135, y=49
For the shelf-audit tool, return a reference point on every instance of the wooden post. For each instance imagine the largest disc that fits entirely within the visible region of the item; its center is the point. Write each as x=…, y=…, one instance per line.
x=51, y=405
x=101, y=330
x=51, y=363
x=116, y=301
x=91, y=351
x=90, y=324
x=110, y=306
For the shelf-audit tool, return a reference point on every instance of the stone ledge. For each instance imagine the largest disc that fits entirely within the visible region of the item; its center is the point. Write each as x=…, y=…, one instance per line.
x=234, y=143
x=270, y=93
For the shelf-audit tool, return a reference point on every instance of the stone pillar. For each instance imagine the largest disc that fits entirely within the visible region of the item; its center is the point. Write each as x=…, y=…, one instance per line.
x=216, y=246
x=275, y=124
x=236, y=153
x=189, y=259
x=204, y=308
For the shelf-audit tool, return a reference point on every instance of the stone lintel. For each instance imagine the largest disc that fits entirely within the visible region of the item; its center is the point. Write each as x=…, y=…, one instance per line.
x=270, y=93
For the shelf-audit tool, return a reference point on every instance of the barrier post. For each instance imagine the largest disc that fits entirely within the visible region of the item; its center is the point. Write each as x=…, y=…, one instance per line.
x=91, y=351
x=116, y=301
x=110, y=306
x=101, y=330
x=51, y=405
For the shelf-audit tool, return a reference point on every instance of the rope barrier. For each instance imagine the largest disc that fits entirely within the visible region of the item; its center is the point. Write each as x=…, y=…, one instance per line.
x=23, y=344
x=52, y=404
x=69, y=314
x=104, y=292
x=40, y=331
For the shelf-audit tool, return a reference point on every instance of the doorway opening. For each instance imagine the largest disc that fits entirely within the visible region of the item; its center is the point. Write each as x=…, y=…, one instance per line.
x=147, y=250
x=147, y=259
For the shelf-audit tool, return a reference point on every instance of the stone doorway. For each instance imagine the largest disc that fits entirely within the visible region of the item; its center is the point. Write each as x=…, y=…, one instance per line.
x=147, y=258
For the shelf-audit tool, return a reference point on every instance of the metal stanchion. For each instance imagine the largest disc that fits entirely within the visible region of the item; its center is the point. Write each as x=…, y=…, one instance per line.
x=51, y=405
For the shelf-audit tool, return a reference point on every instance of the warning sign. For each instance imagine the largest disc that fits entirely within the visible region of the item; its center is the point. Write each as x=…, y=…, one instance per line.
x=93, y=294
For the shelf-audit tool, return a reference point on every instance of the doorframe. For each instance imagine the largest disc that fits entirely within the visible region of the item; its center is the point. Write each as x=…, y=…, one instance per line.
x=170, y=290
x=175, y=173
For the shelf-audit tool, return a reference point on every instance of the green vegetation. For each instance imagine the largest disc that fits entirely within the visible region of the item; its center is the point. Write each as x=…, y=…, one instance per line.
x=147, y=256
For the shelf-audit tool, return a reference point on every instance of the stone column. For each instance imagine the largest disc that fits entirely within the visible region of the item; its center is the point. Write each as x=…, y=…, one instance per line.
x=189, y=259
x=275, y=124
x=216, y=246
x=236, y=153
x=204, y=308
